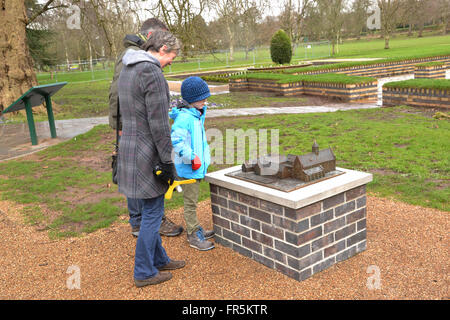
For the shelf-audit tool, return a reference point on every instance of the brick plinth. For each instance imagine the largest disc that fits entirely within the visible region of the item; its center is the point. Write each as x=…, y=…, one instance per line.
x=296, y=242
x=433, y=98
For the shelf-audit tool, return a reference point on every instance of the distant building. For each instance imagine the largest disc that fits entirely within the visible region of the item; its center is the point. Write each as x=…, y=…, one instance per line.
x=306, y=167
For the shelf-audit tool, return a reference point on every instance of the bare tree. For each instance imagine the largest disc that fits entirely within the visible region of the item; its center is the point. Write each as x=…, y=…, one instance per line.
x=251, y=15
x=444, y=6
x=332, y=14
x=293, y=19
x=182, y=18
x=359, y=15
x=389, y=10
x=408, y=13
x=229, y=11
x=16, y=65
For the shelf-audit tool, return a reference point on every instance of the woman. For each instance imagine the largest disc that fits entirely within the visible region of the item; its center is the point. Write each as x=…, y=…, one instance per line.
x=144, y=145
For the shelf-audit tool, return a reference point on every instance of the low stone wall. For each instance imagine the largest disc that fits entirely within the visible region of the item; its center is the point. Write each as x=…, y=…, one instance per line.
x=345, y=92
x=297, y=242
x=381, y=70
x=416, y=97
x=430, y=72
x=269, y=69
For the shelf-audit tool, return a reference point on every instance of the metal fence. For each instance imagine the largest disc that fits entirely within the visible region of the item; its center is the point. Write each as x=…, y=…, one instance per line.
x=313, y=50
x=102, y=69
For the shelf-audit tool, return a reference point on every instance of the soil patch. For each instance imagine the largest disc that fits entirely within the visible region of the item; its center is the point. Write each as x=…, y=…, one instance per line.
x=305, y=100
x=425, y=112
x=383, y=172
x=441, y=184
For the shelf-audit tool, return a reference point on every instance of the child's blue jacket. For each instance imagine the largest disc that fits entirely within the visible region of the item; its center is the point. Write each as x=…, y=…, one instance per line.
x=188, y=140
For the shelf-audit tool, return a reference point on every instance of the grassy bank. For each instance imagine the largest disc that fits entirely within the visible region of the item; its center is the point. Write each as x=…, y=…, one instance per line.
x=320, y=78
x=431, y=64
x=355, y=64
x=437, y=84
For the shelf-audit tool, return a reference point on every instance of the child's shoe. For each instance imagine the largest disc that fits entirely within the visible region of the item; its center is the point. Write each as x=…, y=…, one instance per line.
x=208, y=234
x=197, y=240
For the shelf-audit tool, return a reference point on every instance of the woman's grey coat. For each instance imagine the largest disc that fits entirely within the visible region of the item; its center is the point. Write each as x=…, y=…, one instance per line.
x=144, y=104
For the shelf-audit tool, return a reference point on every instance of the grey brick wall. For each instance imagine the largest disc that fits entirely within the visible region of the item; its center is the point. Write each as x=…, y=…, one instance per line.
x=296, y=242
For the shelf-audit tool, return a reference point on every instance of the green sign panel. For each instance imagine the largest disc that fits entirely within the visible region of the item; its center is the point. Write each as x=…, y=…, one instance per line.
x=35, y=97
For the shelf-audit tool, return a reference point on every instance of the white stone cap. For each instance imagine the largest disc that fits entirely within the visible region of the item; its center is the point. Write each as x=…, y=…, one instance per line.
x=298, y=198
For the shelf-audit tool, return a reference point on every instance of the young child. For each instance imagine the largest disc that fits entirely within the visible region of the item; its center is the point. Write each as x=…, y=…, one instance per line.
x=192, y=156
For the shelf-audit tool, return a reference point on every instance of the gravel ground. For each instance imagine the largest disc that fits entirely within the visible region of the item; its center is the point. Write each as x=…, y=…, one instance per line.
x=409, y=245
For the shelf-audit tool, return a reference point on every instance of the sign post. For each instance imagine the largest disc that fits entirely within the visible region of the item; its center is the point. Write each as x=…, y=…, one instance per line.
x=35, y=97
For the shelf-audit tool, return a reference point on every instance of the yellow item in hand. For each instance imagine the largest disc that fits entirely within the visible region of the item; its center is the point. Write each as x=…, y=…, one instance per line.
x=175, y=184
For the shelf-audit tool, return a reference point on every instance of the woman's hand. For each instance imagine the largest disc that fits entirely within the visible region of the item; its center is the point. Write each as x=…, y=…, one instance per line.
x=166, y=172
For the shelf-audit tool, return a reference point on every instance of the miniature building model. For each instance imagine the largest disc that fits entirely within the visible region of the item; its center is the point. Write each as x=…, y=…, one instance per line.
x=306, y=167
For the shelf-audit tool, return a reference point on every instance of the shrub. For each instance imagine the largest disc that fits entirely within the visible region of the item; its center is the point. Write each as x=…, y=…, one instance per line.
x=280, y=47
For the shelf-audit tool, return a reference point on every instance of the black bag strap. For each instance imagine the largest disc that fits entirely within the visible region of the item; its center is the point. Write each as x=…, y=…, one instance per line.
x=117, y=126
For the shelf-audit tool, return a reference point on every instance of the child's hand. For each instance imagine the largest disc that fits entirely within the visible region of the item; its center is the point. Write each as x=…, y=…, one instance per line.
x=196, y=163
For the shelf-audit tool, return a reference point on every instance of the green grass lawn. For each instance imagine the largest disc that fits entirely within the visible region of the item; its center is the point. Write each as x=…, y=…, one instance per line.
x=239, y=100
x=85, y=100
x=438, y=84
x=401, y=47
x=75, y=100
x=76, y=76
x=407, y=152
x=66, y=188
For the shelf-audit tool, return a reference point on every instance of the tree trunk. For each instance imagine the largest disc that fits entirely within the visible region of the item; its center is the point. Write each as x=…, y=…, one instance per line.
x=90, y=55
x=231, y=37
x=386, y=41
x=421, y=27
x=445, y=26
x=16, y=65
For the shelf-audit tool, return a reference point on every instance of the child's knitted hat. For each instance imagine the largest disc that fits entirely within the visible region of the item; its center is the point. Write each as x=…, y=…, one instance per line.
x=194, y=89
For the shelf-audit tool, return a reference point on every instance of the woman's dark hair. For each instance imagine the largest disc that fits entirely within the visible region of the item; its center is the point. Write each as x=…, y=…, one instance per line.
x=152, y=24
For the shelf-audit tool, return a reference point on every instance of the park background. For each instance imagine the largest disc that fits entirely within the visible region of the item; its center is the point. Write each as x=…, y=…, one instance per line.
x=65, y=191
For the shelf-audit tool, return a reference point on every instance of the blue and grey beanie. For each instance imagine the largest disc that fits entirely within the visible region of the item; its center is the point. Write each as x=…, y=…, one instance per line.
x=194, y=89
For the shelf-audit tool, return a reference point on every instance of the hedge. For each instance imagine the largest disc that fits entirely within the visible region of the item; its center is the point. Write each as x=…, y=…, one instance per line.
x=280, y=47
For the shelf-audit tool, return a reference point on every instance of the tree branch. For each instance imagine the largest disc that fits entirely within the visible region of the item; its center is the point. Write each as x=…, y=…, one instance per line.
x=45, y=8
